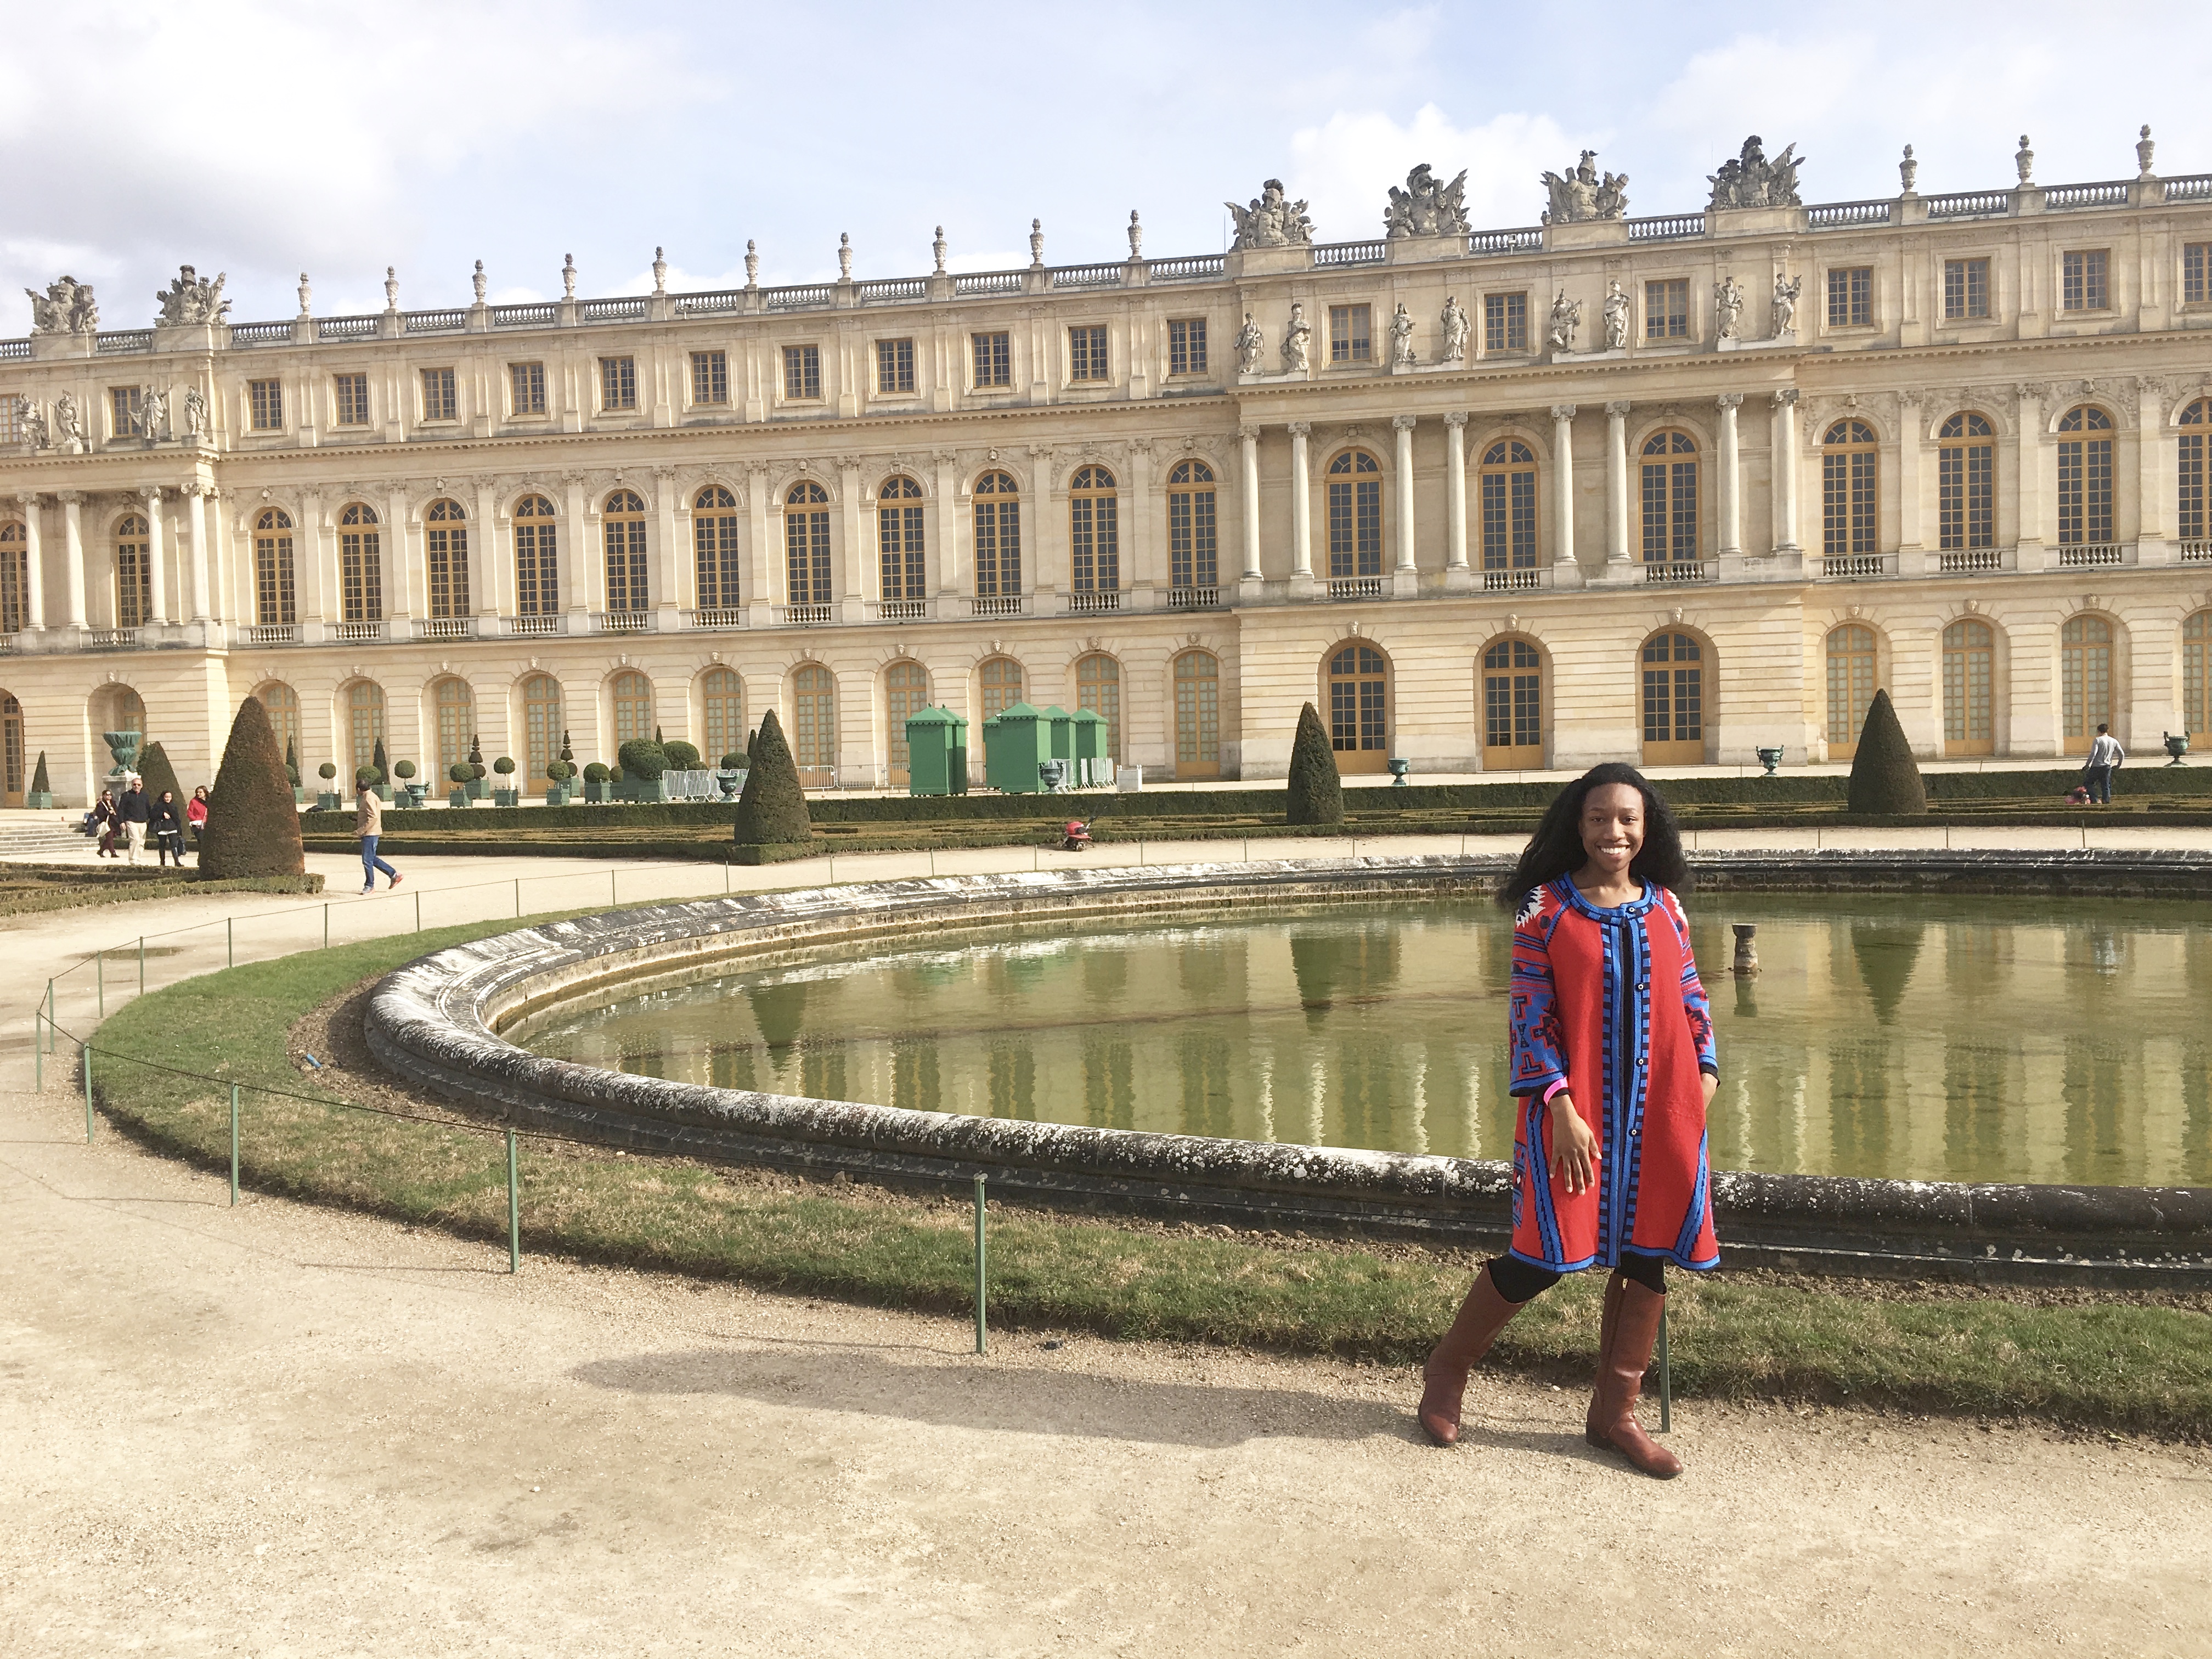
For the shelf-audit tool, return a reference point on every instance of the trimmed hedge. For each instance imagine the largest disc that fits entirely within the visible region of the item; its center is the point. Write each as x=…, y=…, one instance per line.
x=1314, y=791
x=772, y=811
x=253, y=825
x=1885, y=779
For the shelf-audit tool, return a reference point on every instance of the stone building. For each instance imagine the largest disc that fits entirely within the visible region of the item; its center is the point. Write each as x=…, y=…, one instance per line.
x=1665, y=489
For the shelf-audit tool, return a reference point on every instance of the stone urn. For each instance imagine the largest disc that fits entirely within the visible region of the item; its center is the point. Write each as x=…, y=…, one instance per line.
x=729, y=782
x=2177, y=744
x=1398, y=770
x=1770, y=756
x=123, y=746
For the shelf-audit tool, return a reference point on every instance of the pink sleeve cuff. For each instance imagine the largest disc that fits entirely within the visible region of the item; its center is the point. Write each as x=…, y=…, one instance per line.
x=1559, y=1086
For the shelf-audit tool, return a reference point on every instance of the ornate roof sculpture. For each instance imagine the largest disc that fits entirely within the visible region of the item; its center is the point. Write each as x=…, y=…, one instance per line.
x=1425, y=207
x=66, y=308
x=190, y=299
x=1750, y=180
x=1582, y=194
x=1272, y=220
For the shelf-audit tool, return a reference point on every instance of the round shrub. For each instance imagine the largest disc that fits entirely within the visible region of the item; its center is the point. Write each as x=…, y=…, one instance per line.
x=405, y=769
x=368, y=775
x=643, y=759
x=595, y=773
x=504, y=765
x=733, y=762
x=681, y=756
x=327, y=770
x=559, y=771
x=461, y=772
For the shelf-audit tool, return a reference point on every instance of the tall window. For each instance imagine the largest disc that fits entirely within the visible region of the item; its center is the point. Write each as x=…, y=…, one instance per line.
x=1194, y=556
x=806, y=542
x=894, y=366
x=1512, y=705
x=2197, y=273
x=617, y=384
x=722, y=701
x=15, y=576
x=1094, y=531
x=1098, y=688
x=2082, y=280
x=274, y=604
x=264, y=405
x=1186, y=345
x=1198, y=715
x=1351, y=334
x=1966, y=483
x=994, y=358
x=1670, y=498
x=1359, y=706
x=349, y=393
x=281, y=703
x=446, y=557
x=1847, y=488
x=714, y=557
x=710, y=377
x=1850, y=687
x=1969, y=687
x=361, y=565
x=2194, y=421
x=364, y=725
x=632, y=697
x=899, y=543
x=906, y=693
x=1673, y=699
x=134, y=573
x=536, y=564
x=1667, y=309
x=542, y=724
x=814, y=725
x=2197, y=672
x=1086, y=353
x=1850, y=297
x=456, y=715
x=1505, y=322
x=623, y=525
x=998, y=537
x=126, y=411
x=440, y=401
x=1506, y=487
x=1355, y=515
x=2085, y=476
x=1966, y=289
x=527, y=387
x=1000, y=680
x=2085, y=680
x=802, y=373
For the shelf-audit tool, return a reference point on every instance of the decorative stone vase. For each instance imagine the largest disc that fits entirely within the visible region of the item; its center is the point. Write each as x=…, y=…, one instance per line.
x=1770, y=757
x=416, y=793
x=730, y=783
x=123, y=745
x=2177, y=744
x=1398, y=770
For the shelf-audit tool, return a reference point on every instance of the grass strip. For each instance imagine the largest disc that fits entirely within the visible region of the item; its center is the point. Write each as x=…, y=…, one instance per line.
x=2114, y=1365
x=72, y=887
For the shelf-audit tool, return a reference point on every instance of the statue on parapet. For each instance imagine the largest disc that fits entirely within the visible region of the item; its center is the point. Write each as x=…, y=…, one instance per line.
x=1298, y=336
x=190, y=300
x=1425, y=207
x=1272, y=220
x=1582, y=194
x=1401, y=338
x=1455, y=331
x=196, y=414
x=66, y=308
x=1566, y=317
x=154, y=407
x=1251, y=345
x=1728, y=309
x=32, y=422
x=1749, y=179
x=1616, y=318
x=1786, y=290
x=66, y=420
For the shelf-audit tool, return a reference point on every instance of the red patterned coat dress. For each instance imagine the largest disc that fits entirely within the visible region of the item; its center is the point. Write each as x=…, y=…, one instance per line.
x=1609, y=999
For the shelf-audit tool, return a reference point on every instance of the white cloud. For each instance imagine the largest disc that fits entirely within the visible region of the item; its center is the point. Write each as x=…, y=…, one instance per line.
x=1346, y=165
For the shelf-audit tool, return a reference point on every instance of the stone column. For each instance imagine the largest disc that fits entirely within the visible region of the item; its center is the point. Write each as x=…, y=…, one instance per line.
x=1784, y=403
x=946, y=510
x=1617, y=560
x=1301, y=505
x=1909, y=525
x=2155, y=482
x=1248, y=438
x=401, y=584
x=1144, y=510
x=1457, y=575
x=34, y=586
x=156, y=561
x=860, y=570
x=766, y=556
x=1731, y=480
x=314, y=572
x=668, y=563
x=2027, y=474
x=1405, y=580
x=73, y=552
x=577, y=587
x=1562, y=485
x=485, y=568
x=196, y=551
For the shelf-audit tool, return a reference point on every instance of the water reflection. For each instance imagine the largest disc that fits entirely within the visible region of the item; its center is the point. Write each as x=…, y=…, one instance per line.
x=2022, y=1040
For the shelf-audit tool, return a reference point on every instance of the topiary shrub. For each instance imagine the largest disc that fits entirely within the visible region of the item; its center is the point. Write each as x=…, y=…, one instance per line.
x=327, y=770
x=683, y=756
x=252, y=827
x=156, y=773
x=1885, y=779
x=567, y=753
x=1315, y=792
x=644, y=759
x=559, y=771
x=378, y=763
x=731, y=763
x=38, y=784
x=292, y=762
x=595, y=773
x=367, y=775
x=404, y=771
x=504, y=765
x=461, y=772
x=772, y=811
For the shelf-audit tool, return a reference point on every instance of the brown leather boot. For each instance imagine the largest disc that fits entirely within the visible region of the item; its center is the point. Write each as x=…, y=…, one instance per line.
x=1606, y=1328
x=1621, y=1380
x=1444, y=1379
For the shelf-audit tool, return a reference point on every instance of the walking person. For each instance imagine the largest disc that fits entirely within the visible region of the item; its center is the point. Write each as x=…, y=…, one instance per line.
x=2105, y=758
x=1614, y=1064
x=102, y=823
x=369, y=824
x=195, y=810
x=136, y=812
x=169, y=823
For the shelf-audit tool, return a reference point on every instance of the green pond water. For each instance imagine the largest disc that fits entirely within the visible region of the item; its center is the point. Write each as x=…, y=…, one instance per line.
x=1985, y=1039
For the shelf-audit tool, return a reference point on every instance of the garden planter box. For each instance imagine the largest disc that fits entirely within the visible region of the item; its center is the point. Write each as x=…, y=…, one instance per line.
x=557, y=794
x=329, y=801
x=507, y=798
x=40, y=800
x=480, y=789
x=598, y=794
x=457, y=797
x=649, y=793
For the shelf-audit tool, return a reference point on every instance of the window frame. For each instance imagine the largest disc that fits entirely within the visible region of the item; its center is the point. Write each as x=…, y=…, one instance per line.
x=717, y=549
x=276, y=583
x=1090, y=355
x=126, y=411
x=1970, y=269
x=537, y=537
x=1504, y=474
x=361, y=563
x=1094, y=531
x=527, y=377
x=2092, y=279
x=710, y=379
x=1193, y=525
x=445, y=558
x=802, y=373
x=1671, y=461
x=902, y=539
x=1966, y=483
x=264, y=405
x=1351, y=335
x=807, y=551
x=1000, y=548
x=1505, y=322
x=624, y=514
x=1000, y=345
x=1850, y=297
x=896, y=375
x=1850, y=490
x=349, y=393
x=618, y=385
x=2193, y=471
x=1664, y=322
x=2094, y=472
x=439, y=392
x=2196, y=273
x=1187, y=352
x=1354, y=504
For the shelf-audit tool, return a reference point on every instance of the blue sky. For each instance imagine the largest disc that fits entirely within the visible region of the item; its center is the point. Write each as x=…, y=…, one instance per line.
x=264, y=139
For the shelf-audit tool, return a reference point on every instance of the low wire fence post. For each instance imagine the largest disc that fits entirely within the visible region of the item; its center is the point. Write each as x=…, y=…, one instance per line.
x=230, y=941
x=88, y=1094
x=234, y=1146
x=326, y=928
x=39, y=1050
x=518, y=899
x=983, y=1318
x=142, y=964
x=99, y=980
x=514, y=1210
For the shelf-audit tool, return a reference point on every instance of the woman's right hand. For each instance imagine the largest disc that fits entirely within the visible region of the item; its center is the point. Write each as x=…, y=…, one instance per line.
x=1574, y=1148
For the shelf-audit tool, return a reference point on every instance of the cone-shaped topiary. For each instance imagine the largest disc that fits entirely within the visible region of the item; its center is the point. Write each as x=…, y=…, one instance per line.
x=1315, y=794
x=381, y=762
x=773, y=809
x=156, y=773
x=1885, y=779
x=38, y=784
x=253, y=829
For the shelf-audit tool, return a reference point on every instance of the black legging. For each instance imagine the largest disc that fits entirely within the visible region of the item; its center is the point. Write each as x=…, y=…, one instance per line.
x=1520, y=1281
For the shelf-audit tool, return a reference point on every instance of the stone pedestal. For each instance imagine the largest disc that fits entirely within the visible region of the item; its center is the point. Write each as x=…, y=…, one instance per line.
x=1424, y=250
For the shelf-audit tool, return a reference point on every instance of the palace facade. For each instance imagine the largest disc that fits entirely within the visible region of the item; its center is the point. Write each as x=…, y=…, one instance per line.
x=1666, y=489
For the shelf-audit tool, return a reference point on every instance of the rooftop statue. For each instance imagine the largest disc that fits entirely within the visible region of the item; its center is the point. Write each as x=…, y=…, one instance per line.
x=190, y=299
x=1273, y=221
x=66, y=308
x=33, y=419
x=1566, y=317
x=1616, y=317
x=1455, y=330
x=1401, y=338
x=196, y=413
x=1425, y=207
x=1296, y=337
x=1582, y=194
x=1750, y=180
x=1250, y=343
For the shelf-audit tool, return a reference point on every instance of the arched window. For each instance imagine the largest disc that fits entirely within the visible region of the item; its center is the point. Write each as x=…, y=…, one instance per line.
x=361, y=565
x=1850, y=687
x=633, y=700
x=1847, y=489
x=814, y=725
x=998, y=538
x=2085, y=680
x=274, y=601
x=1355, y=516
x=11, y=749
x=536, y=561
x=806, y=541
x=722, y=697
x=1966, y=483
x=1359, y=708
x=1969, y=688
x=2191, y=523
x=1098, y=688
x=1673, y=700
x=1001, y=680
x=446, y=557
x=542, y=722
x=2085, y=478
x=898, y=540
x=1094, y=536
x=1670, y=498
x=1512, y=707
x=906, y=693
x=1198, y=715
x=15, y=576
x=282, y=704
x=715, y=557
x=134, y=573
x=2197, y=672
x=623, y=524
x=1193, y=555
x=1507, y=488
x=455, y=712
x=364, y=728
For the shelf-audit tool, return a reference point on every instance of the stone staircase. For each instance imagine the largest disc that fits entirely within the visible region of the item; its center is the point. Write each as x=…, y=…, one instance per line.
x=45, y=837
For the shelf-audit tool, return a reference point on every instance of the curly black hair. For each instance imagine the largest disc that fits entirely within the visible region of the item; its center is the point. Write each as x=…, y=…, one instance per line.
x=1556, y=848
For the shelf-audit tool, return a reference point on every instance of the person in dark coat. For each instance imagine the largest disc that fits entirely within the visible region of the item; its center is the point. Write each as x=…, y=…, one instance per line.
x=137, y=812
x=101, y=821
x=169, y=823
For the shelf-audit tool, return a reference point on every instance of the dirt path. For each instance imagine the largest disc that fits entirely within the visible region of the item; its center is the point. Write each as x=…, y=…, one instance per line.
x=278, y=1431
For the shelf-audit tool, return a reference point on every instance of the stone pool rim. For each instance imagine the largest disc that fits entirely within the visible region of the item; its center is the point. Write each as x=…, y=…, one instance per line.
x=435, y=1021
